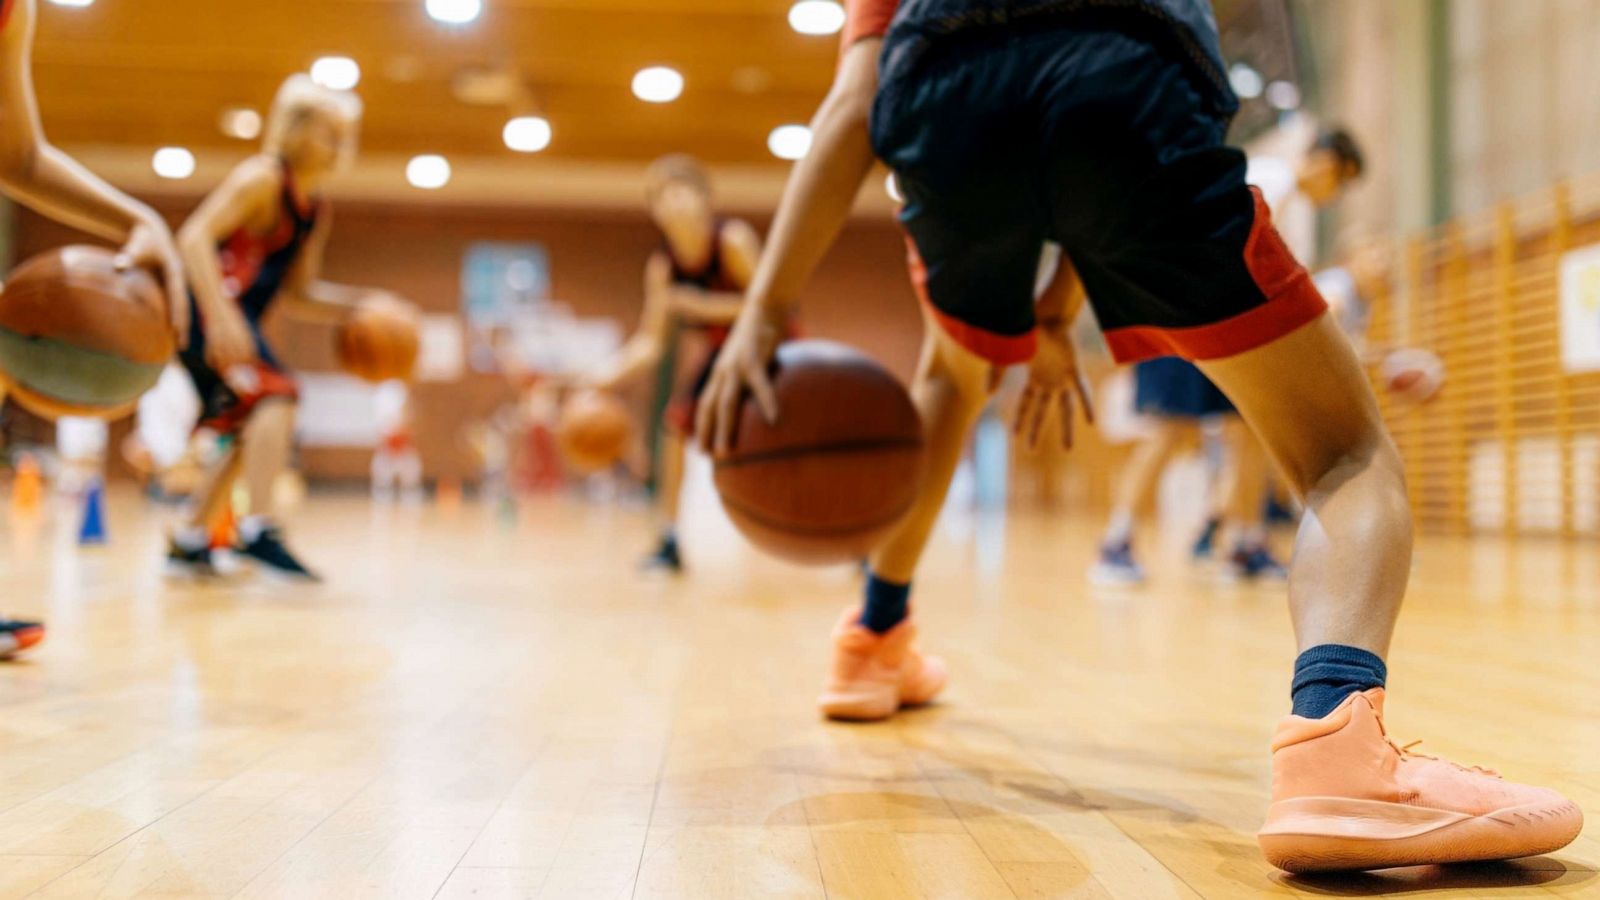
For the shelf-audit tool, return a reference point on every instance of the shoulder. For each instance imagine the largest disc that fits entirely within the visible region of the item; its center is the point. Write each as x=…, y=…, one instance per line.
x=867, y=19
x=737, y=232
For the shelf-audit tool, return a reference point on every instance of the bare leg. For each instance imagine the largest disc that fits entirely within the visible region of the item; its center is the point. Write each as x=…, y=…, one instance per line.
x=1246, y=481
x=215, y=489
x=672, y=458
x=950, y=390
x=265, y=446
x=1308, y=400
x=1140, y=475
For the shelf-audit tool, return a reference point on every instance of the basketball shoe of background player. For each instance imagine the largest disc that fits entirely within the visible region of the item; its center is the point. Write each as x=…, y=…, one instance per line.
x=1345, y=797
x=1253, y=563
x=190, y=560
x=268, y=549
x=17, y=635
x=1116, y=567
x=876, y=674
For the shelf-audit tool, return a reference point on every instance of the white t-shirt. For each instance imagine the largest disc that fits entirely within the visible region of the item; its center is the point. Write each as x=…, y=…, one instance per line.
x=1295, y=216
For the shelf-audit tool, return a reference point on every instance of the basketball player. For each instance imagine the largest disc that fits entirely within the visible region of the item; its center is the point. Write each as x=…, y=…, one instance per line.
x=1178, y=398
x=1099, y=125
x=254, y=244
x=36, y=174
x=695, y=280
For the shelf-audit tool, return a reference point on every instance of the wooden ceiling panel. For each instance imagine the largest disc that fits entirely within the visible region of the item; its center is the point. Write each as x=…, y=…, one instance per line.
x=154, y=72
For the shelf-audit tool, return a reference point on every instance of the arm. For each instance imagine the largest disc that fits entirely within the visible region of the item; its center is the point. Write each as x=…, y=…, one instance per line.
x=741, y=248
x=645, y=349
x=246, y=196
x=36, y=174
x=815, y=204
x=309, y=297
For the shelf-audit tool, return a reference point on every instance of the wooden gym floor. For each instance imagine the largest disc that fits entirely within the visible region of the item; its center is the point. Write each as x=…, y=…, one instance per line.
x=475, y=707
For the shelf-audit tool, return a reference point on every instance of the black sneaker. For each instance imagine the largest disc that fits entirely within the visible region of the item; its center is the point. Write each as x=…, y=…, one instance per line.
x=1206, y=544
x=268, y=550
x=666, y=558
x=190, y=562
x=16, y=635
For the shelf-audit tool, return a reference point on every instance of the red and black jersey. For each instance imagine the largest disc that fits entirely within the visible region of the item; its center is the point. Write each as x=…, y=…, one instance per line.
x=255, y=266
x=711, y=277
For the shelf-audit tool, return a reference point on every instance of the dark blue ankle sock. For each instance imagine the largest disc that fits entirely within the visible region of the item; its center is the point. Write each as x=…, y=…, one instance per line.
x=1328, y=673
x=886, y=604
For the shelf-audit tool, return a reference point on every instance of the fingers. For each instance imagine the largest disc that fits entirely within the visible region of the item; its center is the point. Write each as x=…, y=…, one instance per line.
x=1067, y=423
x=705, y=418
x=726, y=409
x=761, y=389
x=1085, y=396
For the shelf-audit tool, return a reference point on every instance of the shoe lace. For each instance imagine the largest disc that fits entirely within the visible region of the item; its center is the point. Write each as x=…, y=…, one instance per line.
x=1405, y=752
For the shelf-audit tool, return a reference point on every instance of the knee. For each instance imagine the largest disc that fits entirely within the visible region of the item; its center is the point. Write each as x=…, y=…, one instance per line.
x=274, y=414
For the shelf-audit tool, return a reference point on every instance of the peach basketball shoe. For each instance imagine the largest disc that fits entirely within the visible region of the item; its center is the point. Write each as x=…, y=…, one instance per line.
x=1345, y=797
x=876, y=674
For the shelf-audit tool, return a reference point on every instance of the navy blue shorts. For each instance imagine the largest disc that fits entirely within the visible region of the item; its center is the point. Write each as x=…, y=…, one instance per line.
x=222, y=408
x=1104, y=143
x=1174, y=389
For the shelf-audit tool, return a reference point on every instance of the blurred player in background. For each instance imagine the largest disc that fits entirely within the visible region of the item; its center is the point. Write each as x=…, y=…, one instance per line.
x=254, y=244
x=1178, y=399
x=1101, y=126
x=36, y=174
x=693, y=283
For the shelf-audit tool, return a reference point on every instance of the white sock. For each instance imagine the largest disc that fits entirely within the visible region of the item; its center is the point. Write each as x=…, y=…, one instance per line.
x=1120, y=530
x=250, y=527
x=1252, y=536
x=191, y=537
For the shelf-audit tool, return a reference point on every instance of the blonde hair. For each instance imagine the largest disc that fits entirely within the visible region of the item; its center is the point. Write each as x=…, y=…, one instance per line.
x=298, y=98
x=677, y=168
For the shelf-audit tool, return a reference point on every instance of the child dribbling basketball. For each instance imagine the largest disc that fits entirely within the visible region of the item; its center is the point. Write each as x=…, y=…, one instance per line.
x=1100, y=125
x=258, y=239
x=696, y=279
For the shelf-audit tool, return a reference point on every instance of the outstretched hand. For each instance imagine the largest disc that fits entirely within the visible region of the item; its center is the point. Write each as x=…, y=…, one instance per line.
x=1054, y=379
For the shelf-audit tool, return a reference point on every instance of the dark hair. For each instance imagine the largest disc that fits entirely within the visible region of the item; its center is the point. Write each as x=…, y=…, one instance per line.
x=677, y=168
x=1344, y=148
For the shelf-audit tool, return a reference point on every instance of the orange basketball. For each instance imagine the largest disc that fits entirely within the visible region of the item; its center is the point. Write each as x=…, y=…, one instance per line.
x=837, y=471
x=379, y=341
x=594, y=431
x=78, y=337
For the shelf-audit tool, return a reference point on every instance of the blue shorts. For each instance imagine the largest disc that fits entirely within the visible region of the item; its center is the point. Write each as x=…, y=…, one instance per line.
x=1101, y=141
x=1174, y=389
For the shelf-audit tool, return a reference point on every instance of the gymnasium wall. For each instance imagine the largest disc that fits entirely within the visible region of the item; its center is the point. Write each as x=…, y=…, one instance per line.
x=596, y=262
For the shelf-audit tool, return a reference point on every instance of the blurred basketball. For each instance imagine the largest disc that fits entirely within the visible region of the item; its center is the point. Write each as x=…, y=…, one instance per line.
x=1413, y=375
x=594, y=431
x=840, y=467
x=78, y=337
x=379, y=340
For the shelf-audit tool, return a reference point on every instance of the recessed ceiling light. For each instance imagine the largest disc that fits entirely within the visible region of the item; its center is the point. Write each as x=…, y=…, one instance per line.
x=658, y=84
x=454, y=12
x=241, y=122
x=339, y=73
x=73, y=3
x=527, y=134
x=428, y=171
x=789, y=141
x=176, y=163
x=816, y=17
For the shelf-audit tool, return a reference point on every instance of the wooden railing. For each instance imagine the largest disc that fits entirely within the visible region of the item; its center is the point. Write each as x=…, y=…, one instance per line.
x=1512, y=442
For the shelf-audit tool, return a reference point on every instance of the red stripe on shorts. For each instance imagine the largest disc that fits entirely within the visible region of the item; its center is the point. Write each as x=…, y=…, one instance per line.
x=1292, y=302
x=1000, y=349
